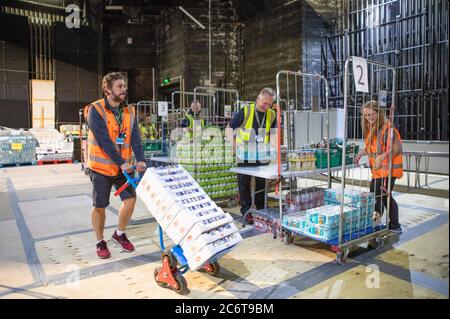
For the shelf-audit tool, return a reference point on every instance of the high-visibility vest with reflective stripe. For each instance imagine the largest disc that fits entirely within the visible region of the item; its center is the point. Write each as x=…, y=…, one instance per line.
x=380, y=144
x=148, y=130
x=191, y=124
x=98, y=161
x=245, y=131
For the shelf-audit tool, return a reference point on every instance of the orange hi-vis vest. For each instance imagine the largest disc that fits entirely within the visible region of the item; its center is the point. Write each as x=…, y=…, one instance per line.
x=380, y=144
x=98, y=161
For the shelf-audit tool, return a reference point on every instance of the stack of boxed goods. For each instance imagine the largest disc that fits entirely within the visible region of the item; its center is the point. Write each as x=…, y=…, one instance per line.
x=322, y=221
x=296, y=221
x=53, y=146
x=209, y=163
x=364, y=201
x=187, y=214
x=304, y=199
x=215, y=179
x=267, y=223
x=302, y=160
x=17, y=147
x=70, y=129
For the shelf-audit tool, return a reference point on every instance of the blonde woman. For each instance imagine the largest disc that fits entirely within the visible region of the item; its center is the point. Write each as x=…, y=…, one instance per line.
x=376, y=131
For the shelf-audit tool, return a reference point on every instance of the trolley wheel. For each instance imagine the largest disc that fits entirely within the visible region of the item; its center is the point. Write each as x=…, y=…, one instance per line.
x=376, y=243
x=288, y=238
x=341, y=256
x=182, y=285
x=212, y=269
x=155, y=275
x=231, y=203
x=170, y=259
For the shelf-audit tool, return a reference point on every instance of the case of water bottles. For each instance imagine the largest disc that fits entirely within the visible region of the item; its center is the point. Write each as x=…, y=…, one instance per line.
x=187, y=214
x=17, y=147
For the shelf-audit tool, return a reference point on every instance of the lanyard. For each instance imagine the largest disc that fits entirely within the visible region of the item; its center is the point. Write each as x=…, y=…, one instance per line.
x=118, y=118
x=257, y=118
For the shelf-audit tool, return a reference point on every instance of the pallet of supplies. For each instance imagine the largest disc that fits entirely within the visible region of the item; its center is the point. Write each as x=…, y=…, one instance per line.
x=17, y=147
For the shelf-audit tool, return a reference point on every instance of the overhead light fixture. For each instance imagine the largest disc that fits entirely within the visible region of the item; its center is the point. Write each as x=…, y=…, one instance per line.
x=113, y=7
x=290, y=2
x=193, y=19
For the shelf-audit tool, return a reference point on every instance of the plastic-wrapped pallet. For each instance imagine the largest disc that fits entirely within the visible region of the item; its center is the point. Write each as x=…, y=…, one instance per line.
x=187, y=214
x=209, y=163
x=53, y=145
x=17, y=147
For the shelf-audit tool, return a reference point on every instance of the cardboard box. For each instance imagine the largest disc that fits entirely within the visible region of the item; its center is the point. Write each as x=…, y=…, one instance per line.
x=192, y=245
x=214, y=249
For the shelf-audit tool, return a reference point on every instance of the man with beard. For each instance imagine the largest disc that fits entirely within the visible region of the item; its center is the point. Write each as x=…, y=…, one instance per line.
x=113, y=135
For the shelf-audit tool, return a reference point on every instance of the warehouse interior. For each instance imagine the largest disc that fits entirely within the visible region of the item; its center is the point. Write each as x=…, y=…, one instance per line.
x=53, y=56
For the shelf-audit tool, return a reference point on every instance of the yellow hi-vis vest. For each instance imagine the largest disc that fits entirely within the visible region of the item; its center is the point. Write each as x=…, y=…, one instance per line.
x=191, y=124
x=246, y=128
x=149, y=130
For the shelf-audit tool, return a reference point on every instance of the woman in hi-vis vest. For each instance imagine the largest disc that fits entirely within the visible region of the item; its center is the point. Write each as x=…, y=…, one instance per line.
x=376, y=132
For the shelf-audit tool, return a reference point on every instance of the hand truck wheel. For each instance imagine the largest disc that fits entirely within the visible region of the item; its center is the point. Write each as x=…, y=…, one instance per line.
x=212, y=269
x=170, y=259
x=182, y=285
x=155, y=276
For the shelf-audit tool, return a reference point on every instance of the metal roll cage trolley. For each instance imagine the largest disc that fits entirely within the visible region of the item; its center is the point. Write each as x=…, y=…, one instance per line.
x=351, y=231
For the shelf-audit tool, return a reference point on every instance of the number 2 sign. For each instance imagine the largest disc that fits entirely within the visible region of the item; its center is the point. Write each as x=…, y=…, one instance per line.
x=360, y=74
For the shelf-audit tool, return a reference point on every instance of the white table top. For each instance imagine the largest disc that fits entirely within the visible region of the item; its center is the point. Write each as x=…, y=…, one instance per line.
x=271, y=171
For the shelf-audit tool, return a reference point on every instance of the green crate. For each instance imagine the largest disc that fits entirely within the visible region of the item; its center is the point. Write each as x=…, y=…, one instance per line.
x=152, y=146
x=322, y=158
x=352, y=149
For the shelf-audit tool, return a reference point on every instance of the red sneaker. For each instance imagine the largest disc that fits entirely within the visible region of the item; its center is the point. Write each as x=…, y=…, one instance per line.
x=102, y=250
x=123, y=241
x=249, y=219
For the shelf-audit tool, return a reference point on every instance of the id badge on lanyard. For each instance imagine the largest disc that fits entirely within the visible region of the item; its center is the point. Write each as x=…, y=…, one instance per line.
x=259, y=139
x=121, y=139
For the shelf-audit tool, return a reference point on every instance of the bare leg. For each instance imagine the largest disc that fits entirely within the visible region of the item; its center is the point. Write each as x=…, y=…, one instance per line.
x=98, y=221
x=125, y=212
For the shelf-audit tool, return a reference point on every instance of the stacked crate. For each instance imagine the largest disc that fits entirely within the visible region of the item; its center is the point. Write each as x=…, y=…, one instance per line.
x=187, y=214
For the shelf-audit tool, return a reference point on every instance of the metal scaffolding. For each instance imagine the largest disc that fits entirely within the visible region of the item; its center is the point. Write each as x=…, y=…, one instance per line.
x=411, y=35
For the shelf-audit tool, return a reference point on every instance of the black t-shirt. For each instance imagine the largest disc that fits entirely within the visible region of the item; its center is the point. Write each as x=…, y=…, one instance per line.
x=237, y=121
